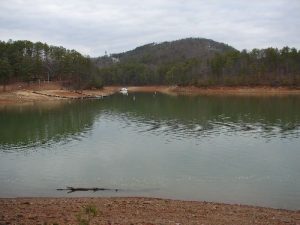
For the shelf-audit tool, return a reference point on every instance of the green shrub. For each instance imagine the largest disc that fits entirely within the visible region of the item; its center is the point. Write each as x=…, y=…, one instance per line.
x=90, y=212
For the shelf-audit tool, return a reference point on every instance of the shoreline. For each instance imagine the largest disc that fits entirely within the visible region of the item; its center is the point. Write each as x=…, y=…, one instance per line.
x=221, y=90
x=138, y=210
x=47, y=92
x=50, y=93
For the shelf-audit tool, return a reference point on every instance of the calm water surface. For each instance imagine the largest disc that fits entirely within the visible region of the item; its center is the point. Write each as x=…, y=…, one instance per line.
x=225, y=149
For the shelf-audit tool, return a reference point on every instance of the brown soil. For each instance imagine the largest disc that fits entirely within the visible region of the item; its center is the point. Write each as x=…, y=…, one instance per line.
x=138, y=211
x=191, y=90
x=21, y=93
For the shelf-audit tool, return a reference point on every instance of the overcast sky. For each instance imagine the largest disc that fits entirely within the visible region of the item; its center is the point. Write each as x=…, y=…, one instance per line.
x=95, y=26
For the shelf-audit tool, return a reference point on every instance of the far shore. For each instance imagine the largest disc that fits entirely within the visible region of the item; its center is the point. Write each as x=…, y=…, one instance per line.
x=137, y=210
x=223, y=90
x=21, y=93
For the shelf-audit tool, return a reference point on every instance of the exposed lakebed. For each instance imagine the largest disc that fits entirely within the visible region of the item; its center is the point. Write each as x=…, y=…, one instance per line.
x=211, y=148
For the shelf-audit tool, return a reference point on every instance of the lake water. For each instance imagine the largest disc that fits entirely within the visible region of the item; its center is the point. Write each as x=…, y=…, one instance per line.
x=230, y=149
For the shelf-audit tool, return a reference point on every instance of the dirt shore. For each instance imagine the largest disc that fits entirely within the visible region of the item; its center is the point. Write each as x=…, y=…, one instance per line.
x=191, y=90
x=21, y=93
x=137, y=211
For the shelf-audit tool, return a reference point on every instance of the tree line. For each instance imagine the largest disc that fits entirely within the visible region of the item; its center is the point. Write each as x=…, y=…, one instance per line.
x=207, y=63
x=28, y=62
x=270, y=66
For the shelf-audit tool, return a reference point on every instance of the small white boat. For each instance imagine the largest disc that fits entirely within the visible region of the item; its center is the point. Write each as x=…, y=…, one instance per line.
x=124, y=91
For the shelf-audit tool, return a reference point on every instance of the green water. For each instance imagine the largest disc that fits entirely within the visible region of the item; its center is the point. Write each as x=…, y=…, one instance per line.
x=226, y=149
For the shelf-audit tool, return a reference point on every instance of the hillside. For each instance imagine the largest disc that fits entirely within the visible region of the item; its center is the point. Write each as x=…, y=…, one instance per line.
x=191, y=61
x=200, y=62
x=166, y=52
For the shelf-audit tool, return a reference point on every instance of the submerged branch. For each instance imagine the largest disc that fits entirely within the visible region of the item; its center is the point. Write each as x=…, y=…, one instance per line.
x=73, y=189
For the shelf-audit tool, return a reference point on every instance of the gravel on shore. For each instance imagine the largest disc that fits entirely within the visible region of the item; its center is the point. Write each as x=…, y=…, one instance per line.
x=132, y=210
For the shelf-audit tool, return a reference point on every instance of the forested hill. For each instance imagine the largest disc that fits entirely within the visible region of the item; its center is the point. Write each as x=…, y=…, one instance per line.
x=167, y=52
x=201, y=62
x=175, y=51
x=191, y=61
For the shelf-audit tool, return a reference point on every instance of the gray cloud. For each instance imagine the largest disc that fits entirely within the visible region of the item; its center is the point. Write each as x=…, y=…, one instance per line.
x=93, y=26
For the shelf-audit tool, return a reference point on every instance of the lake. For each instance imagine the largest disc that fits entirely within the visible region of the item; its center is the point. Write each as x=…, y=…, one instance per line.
x=230, y=149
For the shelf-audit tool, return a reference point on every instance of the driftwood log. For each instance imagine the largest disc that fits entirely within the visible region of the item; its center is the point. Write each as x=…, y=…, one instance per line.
x=73, y=189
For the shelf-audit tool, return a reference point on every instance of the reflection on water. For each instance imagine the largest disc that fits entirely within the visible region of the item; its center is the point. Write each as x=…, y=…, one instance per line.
x=41, y=124
x=178, y=117
x=230, y=149
x=197, y=116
